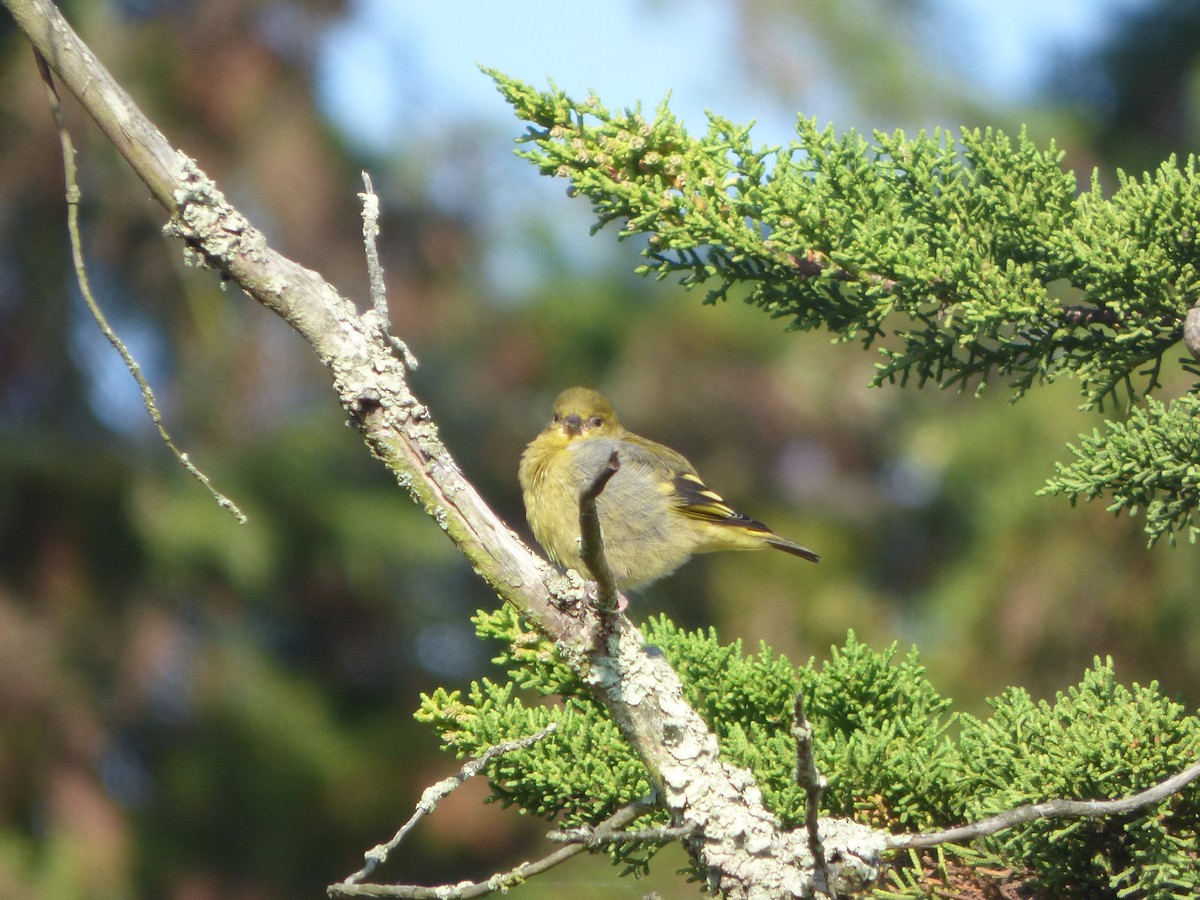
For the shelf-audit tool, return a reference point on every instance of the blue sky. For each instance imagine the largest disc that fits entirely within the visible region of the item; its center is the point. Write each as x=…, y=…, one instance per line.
x=400, y=73
x=402, y=67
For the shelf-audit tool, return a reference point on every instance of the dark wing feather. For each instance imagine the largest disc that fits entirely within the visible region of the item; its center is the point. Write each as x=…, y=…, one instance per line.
x=698, y=501
x=701, y=502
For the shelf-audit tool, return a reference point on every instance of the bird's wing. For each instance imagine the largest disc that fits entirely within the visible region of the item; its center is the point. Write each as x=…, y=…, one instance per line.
x=686, y=490
x=698, y=501
x=716, y=524
x=649, y=468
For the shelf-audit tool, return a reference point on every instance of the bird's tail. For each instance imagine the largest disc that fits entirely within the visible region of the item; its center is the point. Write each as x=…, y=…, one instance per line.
x=782, y=543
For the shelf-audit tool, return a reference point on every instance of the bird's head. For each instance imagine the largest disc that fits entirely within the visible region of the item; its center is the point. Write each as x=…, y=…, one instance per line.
x=580, y=412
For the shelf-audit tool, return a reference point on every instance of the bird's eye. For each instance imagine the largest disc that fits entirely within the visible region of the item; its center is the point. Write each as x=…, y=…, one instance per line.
x=556, y=418
x=596, y=421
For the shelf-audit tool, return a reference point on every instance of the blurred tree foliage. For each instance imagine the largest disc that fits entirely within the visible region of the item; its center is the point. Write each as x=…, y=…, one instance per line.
x=192, y=709
x=1136, y=95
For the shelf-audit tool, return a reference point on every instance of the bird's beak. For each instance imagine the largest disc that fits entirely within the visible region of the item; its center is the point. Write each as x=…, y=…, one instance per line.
x=573, y=425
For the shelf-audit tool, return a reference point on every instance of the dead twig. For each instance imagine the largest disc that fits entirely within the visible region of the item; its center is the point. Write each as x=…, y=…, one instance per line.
x=434, y=794
x=501, y=881
x=1050, y=809
x=85, y=288
x=591, y=545
x=814, y=783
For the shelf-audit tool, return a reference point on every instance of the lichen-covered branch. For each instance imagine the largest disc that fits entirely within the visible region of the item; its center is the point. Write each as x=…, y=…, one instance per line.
x=367, y=373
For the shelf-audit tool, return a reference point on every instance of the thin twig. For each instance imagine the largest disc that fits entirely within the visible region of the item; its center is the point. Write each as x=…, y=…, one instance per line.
x=591, y=542
x=1051, y=809
x=73, y=196
x=592, y=838
x=370, y=214
x=499, y=882
x=814, y=783
x=435, y=793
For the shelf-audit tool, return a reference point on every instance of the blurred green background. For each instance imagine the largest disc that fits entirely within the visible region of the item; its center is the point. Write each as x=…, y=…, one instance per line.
x=193, y=709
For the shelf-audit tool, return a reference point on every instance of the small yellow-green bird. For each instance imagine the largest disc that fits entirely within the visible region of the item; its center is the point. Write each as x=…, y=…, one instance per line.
x=654, y=513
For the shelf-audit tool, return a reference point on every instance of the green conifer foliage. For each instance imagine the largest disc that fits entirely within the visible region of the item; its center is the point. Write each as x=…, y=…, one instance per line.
x=1098, y=739
x=893, y=752
x=961, y=260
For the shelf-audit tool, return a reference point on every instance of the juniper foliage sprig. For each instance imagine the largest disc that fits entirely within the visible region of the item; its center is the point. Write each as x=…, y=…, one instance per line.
x=885, y=740
x=1098, y=739
x=962, y=260
x=1150, y=463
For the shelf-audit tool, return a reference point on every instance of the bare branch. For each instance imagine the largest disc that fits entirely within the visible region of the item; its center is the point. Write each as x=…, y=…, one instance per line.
x=1051, y=809
x=814, y=784
x=501, y=881
x=85, y=288
x=591, y=541
x=592, y=838
x=370, y=214
x=433, y=794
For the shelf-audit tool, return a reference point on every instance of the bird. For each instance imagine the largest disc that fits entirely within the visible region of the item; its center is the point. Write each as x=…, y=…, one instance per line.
x=655, y=512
